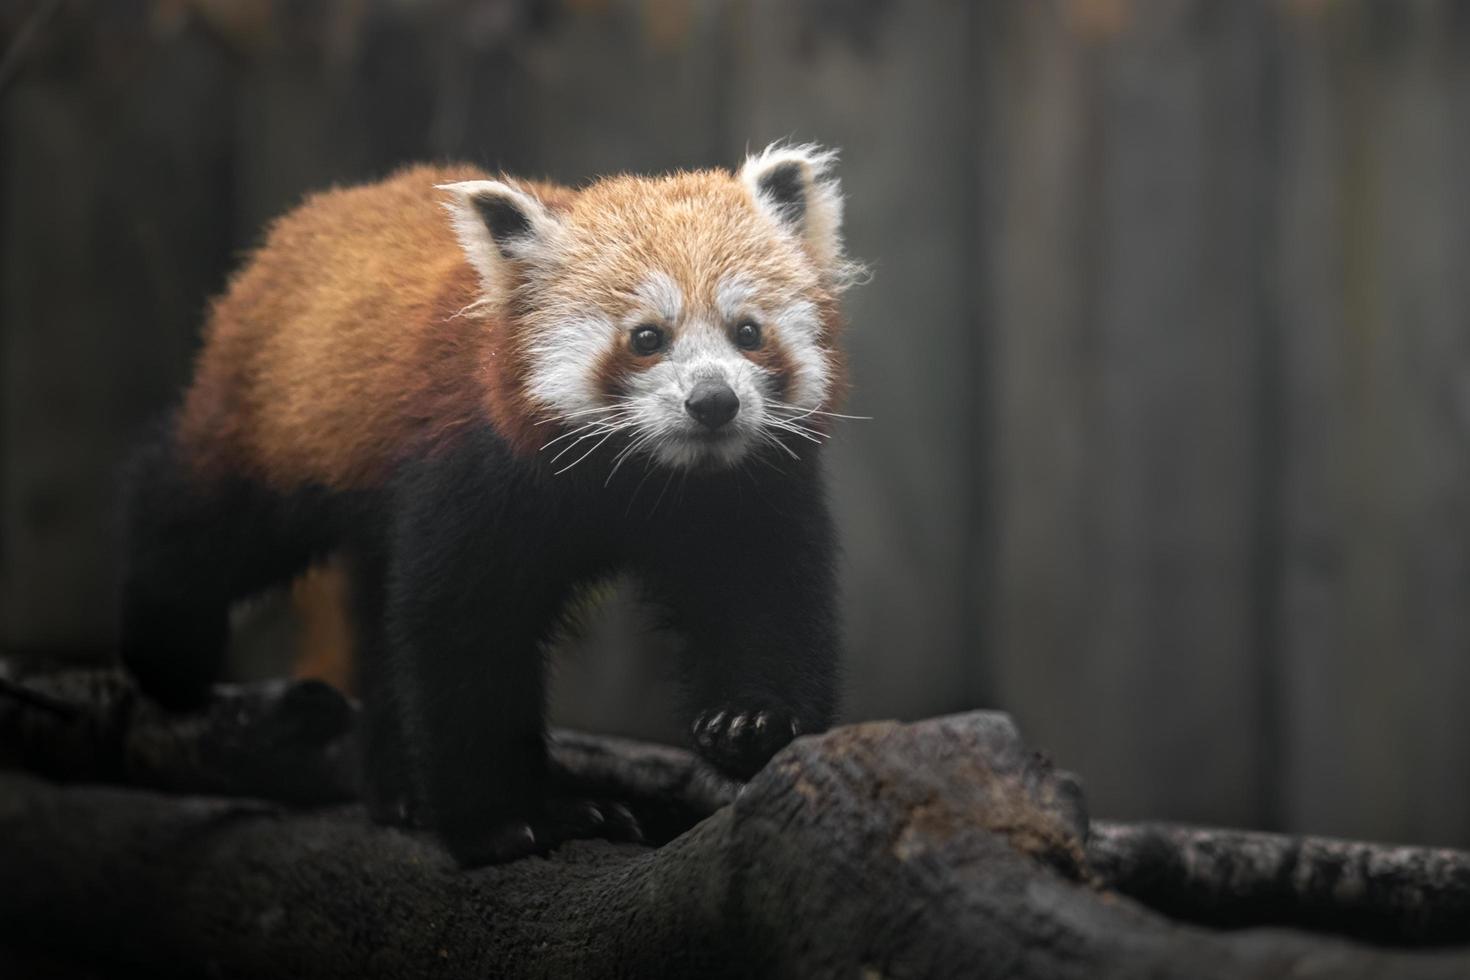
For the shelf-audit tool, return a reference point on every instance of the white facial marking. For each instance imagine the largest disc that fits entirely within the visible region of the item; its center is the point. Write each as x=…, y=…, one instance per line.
x=650, y=417
x=567, y=350
x=702, y=351
x=799, y=328
x=796, y=324
x=660, y=294
x=735, y=296
x=564, y=358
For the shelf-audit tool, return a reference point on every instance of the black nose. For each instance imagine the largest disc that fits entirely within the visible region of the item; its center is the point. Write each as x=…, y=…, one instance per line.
x=712, y=403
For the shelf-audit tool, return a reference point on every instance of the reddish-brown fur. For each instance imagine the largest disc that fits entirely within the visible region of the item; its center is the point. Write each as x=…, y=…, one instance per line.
x=338, y=347
x=344, y=344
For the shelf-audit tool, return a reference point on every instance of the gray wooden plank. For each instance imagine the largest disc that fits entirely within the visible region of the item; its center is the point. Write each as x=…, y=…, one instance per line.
x=1126, y=453
x=1377, y=478
x=629, y=86
x=109, y=248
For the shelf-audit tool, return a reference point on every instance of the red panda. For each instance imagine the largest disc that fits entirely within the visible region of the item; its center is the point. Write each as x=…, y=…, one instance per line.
x=483, y=392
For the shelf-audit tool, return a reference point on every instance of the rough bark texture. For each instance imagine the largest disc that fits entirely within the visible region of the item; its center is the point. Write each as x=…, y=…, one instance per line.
x=942, y=848
x=1238, y=878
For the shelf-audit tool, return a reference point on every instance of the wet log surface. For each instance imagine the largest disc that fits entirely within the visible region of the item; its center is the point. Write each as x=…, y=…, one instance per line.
x=227, y=844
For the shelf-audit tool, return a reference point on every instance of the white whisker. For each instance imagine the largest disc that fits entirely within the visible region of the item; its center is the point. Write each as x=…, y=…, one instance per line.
x=572, y=432
x=764, y=460
x=617, y=403
x=623, y=455
x=796, y=427
x=647, y=472
x=795, y=430
x=660, y=498
x=767, y=437
x=596, y=446
x=608, y=429
x=804, y=412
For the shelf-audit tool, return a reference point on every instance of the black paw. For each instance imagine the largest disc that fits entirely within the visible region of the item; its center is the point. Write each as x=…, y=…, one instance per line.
x=742, y=740
x=559, y=820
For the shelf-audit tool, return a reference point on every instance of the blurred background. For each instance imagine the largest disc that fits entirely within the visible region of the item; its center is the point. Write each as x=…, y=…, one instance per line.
x=1167, y=348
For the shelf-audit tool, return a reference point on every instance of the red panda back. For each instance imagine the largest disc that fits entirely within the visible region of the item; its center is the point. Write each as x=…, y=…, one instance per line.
x=337, y=348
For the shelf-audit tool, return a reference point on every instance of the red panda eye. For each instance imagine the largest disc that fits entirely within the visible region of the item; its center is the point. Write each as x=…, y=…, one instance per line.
x=748, y=334
x=648, y=339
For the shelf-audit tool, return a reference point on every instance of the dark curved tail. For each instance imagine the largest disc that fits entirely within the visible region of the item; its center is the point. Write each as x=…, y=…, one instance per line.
x=192, y=545
x=174, y=606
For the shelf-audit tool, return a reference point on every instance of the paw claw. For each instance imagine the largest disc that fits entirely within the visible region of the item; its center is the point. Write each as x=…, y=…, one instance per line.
x=563, y=819
x=624, y=824
x=741, y=741
x=507, y=842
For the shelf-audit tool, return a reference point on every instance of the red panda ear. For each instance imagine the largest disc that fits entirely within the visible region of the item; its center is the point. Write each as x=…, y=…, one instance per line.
x=498, y=223
x=796, y=187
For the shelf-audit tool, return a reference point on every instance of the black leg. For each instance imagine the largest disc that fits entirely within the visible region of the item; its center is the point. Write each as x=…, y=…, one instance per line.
x=751, y=580
x=479, y=568
x=468, y=604
x=387, y=790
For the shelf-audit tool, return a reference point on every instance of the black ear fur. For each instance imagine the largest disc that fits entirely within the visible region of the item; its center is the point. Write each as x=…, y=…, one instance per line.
x=784, y=186
x=504, y=218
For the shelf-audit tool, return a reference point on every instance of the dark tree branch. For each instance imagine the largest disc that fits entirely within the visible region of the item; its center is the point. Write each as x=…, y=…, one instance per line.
x=1237, y=878
x=293, y=743
x=943, y=848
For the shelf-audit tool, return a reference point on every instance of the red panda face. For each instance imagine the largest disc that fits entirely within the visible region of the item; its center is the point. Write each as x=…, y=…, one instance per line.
x=692, y=318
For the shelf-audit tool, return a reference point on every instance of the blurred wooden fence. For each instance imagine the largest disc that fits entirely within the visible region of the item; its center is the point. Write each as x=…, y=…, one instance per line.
x=1168, y=346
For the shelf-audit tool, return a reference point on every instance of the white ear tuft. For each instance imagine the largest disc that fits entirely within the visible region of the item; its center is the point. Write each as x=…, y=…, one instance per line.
x=497, y=223
x=796, y=187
